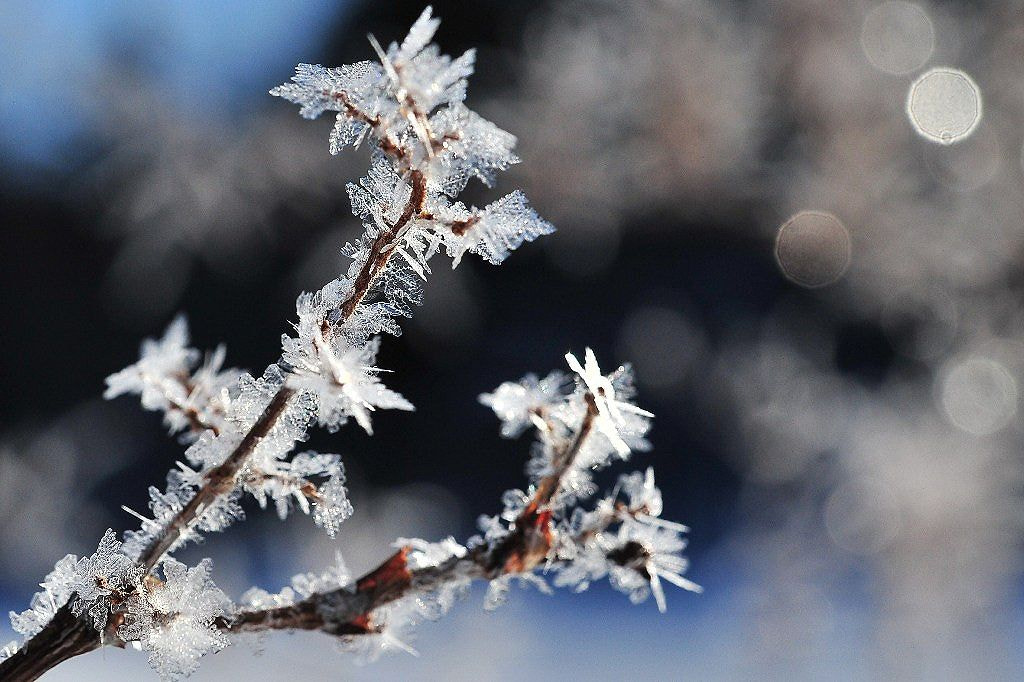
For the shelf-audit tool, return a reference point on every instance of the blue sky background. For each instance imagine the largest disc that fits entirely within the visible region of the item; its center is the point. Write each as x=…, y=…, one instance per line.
x=213, y=57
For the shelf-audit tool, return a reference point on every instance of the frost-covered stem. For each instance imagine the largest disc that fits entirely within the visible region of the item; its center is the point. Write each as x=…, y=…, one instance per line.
x=549, y=486
x=414, y=97
x=64, y=637
x=307, y=488
x=384, y=584
x=381, y=251
x=220, y=480
x=387, y=142
x=529, y=543
x=351, y=609
x=67, y=636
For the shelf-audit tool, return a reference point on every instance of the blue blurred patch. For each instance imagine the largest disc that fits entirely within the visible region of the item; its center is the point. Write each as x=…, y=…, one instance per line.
x=214, y=56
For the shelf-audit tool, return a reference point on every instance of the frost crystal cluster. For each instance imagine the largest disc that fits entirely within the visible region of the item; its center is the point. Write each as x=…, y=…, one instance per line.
x=169, y=378
x=95, y=585
x=242, y=429
x=582, y=425
x=176, y=622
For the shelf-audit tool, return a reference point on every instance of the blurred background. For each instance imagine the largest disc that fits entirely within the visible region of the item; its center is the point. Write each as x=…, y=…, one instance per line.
x=802, y=222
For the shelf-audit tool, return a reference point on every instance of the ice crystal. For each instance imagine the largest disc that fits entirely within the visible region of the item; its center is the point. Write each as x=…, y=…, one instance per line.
x=426, y=554
x=498, y=588
x=335, y=577
x=302, y=586
x=165, y=506
x=635, y=559
x=158, y=360
x=475, y=148
x=346, y=89
x=378, y=199
x=557, y=409
x=585, y=564
x=170, y=379
x=380, y=196
x=291, y=483
x=411, y=105
x=513, y=503
x=251, y=397
x=95, y=582
x=394, y=624
x=317, y=89
x=492, y=527
x=615, y=415
x=439, y=601
x=394, y=294
x=395, y=632
x=420, y=78
x=106, y=574
x=417, y=93
x=662, y=550
x=623, y=538
x=58, y=586
x=177, y=624
x=426, y=146
x=332, y=505
x=254, y=394
x=518, y=404
x=643, y=500
x=503, y=227
x=383, y=98
x=343, y=379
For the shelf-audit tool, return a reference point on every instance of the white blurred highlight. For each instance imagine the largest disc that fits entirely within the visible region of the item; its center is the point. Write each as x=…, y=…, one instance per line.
x=978, y=395
x=944, y=105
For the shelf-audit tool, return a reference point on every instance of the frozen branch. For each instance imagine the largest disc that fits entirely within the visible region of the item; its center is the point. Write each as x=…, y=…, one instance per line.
x=222, y=479
x=243, y=430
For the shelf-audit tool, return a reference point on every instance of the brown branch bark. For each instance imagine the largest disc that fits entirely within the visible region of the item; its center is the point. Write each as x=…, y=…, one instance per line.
x=352, y=608
x=550, y=485
x=196, y=423
x=64, y=637
x=529, y=543
x=386, y=140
